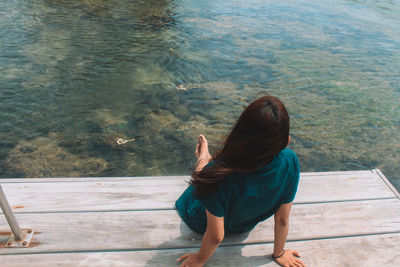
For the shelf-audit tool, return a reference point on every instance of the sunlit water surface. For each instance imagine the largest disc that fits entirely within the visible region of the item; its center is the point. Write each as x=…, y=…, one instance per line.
x=123, y=88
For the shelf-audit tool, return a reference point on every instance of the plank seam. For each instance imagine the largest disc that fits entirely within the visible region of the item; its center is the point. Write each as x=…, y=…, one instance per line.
x=193, y=247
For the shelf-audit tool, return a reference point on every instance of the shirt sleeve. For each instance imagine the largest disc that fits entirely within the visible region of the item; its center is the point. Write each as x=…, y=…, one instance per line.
x=293, y=180
x=210, y=164
x=214, y=203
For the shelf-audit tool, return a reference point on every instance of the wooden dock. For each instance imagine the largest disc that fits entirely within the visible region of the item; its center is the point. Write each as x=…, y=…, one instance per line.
x=338, y=219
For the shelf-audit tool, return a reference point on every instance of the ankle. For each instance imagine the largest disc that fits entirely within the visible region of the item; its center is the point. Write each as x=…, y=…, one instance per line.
x=204, y=158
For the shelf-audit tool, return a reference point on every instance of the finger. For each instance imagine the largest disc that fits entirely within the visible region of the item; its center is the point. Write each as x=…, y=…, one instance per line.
x=298, y=262
x=301, y=263
x=182, y=257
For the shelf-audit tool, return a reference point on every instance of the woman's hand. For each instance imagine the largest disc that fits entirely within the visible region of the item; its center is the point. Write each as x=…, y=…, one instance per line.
x=190, y=260
x=288, y=259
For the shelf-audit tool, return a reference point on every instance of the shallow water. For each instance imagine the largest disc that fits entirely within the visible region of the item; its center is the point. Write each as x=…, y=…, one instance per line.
x=77, y=76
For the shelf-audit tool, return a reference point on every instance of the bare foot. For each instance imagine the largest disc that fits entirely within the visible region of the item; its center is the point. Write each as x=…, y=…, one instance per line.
x=202, y=152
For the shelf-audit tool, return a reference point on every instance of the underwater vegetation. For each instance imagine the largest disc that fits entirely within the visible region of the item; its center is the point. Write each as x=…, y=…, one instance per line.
x=123, y=88
x=43, y=157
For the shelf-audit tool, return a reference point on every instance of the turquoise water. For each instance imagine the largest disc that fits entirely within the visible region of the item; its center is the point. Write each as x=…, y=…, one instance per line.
x=123, y=88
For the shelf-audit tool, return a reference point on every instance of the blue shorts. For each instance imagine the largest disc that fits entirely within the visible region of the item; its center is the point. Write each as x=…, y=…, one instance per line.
x=192, y=211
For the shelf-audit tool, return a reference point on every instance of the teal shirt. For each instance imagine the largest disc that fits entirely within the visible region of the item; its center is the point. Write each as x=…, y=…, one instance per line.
x=244, y=199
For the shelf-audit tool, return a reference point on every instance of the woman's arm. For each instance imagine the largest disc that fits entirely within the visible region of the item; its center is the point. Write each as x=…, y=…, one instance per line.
x=281, y=256
x=211, y=239
x=281, y=228
x=215, y=225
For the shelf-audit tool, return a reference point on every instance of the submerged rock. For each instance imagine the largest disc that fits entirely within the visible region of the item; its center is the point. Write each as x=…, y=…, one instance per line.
x=43, y=157
x=108, y=117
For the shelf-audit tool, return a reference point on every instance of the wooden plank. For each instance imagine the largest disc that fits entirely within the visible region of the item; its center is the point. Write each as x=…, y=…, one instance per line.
x=161, y=193
x=359, y=173
x=342, y=187
x=164, y=229
x=88, y=196
x=387, y=182
x=374, y=250
x=147, y=178
x=88, y=179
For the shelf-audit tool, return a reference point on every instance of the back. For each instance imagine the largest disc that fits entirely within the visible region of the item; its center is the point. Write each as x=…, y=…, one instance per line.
x=246, y=199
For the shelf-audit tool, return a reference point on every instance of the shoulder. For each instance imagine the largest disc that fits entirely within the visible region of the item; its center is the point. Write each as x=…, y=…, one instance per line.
x=291, y=169
x=289, y=157
x=288, y=153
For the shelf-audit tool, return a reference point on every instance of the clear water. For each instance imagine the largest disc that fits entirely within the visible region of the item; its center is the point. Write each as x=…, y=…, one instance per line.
x=75, y=76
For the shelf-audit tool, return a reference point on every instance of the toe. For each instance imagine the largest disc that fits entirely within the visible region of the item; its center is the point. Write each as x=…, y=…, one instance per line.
x=202, y=139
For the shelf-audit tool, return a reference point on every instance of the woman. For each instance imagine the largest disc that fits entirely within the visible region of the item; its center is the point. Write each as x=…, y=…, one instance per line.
x=250, y=179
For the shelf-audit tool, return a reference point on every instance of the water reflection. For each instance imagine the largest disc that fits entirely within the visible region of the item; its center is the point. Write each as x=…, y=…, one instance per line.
x=79, y=75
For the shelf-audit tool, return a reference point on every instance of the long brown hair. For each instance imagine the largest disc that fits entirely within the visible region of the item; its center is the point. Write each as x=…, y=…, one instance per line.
x=261, y=132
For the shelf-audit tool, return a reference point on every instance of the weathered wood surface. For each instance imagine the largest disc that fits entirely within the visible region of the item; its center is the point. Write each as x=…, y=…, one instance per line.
x=150, y=178
x=143, y=230
x=339, y=219
x=145, y=193
x=366, y=251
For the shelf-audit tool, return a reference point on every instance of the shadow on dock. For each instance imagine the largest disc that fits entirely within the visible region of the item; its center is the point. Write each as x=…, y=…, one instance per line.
x=230, y=252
